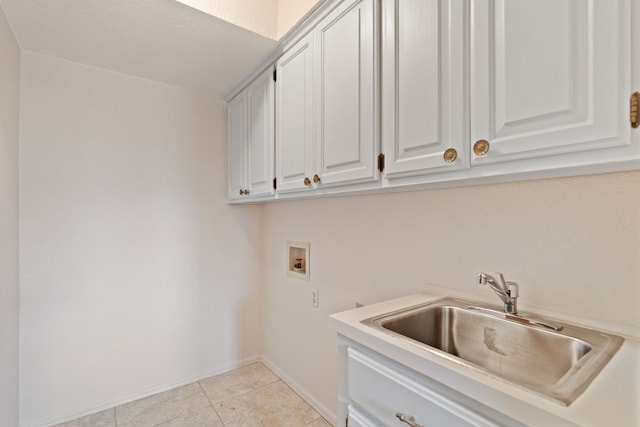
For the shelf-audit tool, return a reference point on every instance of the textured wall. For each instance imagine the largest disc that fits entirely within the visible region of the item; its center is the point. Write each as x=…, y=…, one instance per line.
x=9, y=131
x=290, y=12
x=134, y=272
x=270, y=18
x=573, y=245
x=259, y=16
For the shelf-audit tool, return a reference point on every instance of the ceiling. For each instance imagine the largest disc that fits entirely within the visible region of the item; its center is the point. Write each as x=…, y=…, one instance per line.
x=161, y=40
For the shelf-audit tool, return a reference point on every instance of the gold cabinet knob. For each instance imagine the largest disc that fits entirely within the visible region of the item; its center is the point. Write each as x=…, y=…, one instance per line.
x=450, y=155
x=241, y=192
x=246, y=192
x=316, y=179
x=307, y=182
x=481, y=147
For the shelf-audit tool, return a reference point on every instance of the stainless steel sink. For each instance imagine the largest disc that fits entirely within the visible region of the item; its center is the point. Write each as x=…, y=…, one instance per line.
x=558, y=365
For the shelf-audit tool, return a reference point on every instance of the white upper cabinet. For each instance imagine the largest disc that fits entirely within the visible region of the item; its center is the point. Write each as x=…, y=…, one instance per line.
x=444, y=92
x=237, y=130
x=294, y=116
x=549, y=77
x=423, y=86
x=251, y=145
x=347, y=140
x=326, y=102
x=260, y=107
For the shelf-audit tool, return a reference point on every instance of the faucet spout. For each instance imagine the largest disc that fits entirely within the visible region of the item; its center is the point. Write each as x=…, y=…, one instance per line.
x=507, y=291
x=498, y=286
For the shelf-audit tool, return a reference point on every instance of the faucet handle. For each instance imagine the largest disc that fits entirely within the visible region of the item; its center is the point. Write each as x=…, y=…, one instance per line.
x=513, y=289
x=503, y=283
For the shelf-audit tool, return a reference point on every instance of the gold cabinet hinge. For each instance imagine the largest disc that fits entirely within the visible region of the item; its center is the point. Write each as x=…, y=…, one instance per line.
x=634, y=114
x=381, y=162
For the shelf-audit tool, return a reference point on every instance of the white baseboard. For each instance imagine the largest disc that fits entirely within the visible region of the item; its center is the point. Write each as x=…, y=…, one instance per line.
x=146, y=392
x=319, y=408
x=159, y=388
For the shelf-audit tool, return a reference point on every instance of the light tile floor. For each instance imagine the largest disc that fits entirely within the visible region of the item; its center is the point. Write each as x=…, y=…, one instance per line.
x=251, y=396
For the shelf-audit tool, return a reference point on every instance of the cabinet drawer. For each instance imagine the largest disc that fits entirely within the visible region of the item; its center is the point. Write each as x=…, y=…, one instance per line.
x=380, y=389
x=358, y=419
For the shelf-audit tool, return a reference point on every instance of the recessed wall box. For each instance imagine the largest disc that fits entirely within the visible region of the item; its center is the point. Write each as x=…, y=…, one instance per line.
x=298, y=259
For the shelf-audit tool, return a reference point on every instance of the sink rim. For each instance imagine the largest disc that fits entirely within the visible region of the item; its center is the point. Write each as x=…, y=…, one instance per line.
x=565, y=391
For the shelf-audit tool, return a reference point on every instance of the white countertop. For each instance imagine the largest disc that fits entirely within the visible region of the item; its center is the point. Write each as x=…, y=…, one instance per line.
x=612, y=399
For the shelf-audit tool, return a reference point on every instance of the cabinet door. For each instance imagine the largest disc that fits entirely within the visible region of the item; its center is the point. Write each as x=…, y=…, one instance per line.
x=294, y=116
x=383, y=390
x=259, y=140
x=346, y=84
x=549, y=77
x=358, y=419
x=236, y=167
x=423, y=81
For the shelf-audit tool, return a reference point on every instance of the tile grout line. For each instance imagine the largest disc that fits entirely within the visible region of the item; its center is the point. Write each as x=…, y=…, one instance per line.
x=256, y=387
x=211, y=403
x=305, y=401
x=315, y=419
x=242, y=392
x=236, y=395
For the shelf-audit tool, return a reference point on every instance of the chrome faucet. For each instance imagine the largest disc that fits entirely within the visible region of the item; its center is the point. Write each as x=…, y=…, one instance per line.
x=506, y=291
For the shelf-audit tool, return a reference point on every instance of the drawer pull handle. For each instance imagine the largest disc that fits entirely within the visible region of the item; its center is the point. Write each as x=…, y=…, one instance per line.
x=307, y=182
x=407, y=419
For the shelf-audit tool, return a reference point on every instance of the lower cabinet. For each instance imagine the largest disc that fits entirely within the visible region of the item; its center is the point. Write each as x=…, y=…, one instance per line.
x=381, y=392
x=358, y=419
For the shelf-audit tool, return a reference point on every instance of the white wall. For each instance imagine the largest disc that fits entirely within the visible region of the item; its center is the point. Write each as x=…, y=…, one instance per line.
x=572, y=244
x=135, y=274
x=9, y=131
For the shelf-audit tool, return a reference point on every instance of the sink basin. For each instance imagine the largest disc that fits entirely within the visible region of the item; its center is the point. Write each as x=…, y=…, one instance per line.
x=558, y=365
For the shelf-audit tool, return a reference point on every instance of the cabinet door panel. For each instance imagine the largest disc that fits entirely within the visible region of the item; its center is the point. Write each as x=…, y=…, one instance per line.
x=358, y=419
x=294, y=116
x=382, y=391
x=558, y=87
x=423, y=104
x=236, y=124
x=260, y=135
x=346, y=85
